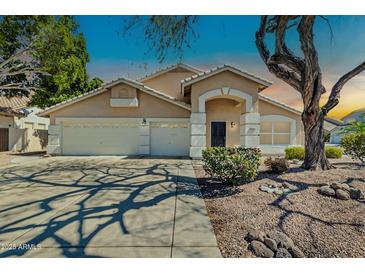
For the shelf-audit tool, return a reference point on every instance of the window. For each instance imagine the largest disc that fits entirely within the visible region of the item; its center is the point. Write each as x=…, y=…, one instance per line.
x=41, y=126
x=275, y=133
x=28, y=125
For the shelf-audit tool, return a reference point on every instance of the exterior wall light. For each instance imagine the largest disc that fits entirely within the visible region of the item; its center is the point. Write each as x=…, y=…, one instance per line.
x=144, y=122
x=233, y=124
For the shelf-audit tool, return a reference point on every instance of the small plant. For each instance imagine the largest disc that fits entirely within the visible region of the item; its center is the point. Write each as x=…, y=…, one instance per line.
x=292, y=153
x=354, y=145
x=333, y=152
x=277, y=165
x=231, y=165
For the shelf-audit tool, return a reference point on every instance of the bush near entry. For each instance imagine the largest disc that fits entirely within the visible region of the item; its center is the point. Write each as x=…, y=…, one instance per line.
x=232, y=164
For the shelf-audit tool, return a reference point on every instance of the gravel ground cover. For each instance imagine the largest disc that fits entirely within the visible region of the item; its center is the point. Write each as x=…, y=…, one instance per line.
x=319, y=225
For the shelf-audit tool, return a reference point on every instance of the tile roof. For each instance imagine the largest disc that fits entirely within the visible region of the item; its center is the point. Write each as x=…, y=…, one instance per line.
x=166, y=69
x=105, y=86
x=218, y=69
x=14, y=102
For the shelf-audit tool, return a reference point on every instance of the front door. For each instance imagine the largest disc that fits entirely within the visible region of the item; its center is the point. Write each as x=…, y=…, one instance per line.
x=218, y=134
x=4, y=139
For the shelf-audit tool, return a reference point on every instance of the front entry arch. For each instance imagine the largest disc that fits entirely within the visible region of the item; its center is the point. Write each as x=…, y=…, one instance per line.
x=225, y=93
x=249, y=123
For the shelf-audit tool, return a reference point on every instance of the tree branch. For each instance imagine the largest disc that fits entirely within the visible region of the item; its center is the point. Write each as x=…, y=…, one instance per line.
x=334, y=97
x=277, y=68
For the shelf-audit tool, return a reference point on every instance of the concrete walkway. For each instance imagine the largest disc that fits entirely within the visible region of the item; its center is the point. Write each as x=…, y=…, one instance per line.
x=103, y=207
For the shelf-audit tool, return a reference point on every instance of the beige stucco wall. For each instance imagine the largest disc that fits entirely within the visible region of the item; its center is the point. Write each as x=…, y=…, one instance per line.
x=123, y=91
x=266, y=108
x=169, y=83
x=224, y=79
x=99, y=106
x=5, y=121
x=220, y=110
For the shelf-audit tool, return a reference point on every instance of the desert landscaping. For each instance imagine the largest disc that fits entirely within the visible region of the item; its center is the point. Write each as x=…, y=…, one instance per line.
x=317, y=225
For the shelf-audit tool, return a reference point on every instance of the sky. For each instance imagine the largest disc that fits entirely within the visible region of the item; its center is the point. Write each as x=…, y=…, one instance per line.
x=230, y=40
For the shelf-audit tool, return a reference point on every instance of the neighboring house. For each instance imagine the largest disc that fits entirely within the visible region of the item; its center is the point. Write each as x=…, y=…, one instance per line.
x=176, y=111
x=355, y=116
x=20, y=127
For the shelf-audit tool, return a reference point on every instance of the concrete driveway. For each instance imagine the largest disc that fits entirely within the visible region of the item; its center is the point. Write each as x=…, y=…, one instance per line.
x=103, y=207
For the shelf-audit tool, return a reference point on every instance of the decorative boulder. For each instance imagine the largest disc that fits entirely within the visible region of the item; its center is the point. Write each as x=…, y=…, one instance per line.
x=296, y=252
x=261, y=250
x=342, y=194
x=283, y=253
x=345, y=187
x=326, y=190
x=336, y=186
x=255, y=235
x=271, y=244
x=267, y=189
x=356, y=194
x=281, y=239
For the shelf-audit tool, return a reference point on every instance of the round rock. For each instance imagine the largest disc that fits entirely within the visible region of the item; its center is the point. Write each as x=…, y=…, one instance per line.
x=281, y=239
x=296, y=252
x=355, y=193
x=336, y=186
x=345, y=187
x=261, y=250
x=326, y=190
x=255, y=235
x=342, y=194
x=271, y=244
x=283, y=253
x=267, y=189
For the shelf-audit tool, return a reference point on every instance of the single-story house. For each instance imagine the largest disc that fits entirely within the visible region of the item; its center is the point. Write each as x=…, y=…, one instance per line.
x=176, y=111
x=337, y=132
x=20, y=127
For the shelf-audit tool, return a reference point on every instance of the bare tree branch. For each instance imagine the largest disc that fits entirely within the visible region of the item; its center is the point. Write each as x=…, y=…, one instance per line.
x=289, y=76
x=334, y=97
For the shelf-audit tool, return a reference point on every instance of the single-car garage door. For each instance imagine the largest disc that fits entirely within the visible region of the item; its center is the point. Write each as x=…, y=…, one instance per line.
x=100, y=139
x=170, y=139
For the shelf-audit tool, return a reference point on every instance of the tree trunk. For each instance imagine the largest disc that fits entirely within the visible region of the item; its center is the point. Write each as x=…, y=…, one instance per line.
x=315, y=157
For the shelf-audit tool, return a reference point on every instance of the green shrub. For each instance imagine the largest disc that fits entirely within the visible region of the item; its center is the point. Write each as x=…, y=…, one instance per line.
x=354, y=145
x=231, y=165
x=277, y=165
x=292, y=153
x=333, y=152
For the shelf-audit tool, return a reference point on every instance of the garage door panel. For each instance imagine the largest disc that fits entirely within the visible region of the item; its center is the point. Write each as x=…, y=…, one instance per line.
x=100, y=139
x=170, y=139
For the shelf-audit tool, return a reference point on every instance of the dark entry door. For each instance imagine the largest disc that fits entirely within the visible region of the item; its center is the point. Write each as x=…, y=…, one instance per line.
x=218, y=134
x=4, y=139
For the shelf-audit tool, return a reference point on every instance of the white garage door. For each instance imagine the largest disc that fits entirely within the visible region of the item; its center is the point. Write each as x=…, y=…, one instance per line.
x=170, y=139
x=100, y=139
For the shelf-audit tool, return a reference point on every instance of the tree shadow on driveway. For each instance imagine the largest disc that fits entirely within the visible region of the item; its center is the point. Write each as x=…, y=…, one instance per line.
x=72, y=205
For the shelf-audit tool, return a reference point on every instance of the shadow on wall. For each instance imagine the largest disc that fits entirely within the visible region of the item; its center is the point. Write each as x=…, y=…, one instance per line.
x=101, y=197
x=28, y=140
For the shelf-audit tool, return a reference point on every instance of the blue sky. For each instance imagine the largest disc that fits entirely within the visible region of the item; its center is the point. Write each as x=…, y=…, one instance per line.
x=230, y=40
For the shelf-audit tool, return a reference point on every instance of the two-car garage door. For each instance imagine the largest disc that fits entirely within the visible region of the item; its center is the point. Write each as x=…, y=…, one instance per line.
x=100, y=139
x=167, y=138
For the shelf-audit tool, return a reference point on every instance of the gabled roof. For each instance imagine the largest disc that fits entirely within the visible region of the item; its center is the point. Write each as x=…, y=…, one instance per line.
x=203, y=75
x=105, y=87
x=279, y=104
x=167, y=69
